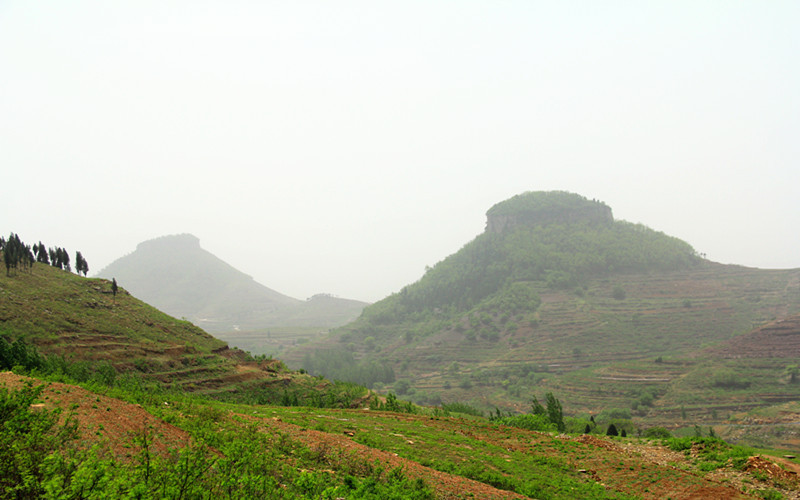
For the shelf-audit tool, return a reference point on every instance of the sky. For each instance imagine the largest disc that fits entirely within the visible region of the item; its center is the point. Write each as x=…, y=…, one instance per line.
x=342, y=147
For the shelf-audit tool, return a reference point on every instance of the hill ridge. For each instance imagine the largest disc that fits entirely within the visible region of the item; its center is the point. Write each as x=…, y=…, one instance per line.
x=177, y=275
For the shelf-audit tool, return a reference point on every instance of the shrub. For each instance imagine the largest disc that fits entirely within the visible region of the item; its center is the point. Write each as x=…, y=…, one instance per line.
x=657, y=432
x=539, y=423
x=462, y=408
x=27, y=438
x=402, y=386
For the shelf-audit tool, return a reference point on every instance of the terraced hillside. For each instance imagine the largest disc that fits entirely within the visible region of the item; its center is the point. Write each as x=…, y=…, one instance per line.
x=606, y=314
x=82, y=321
x=777, y=339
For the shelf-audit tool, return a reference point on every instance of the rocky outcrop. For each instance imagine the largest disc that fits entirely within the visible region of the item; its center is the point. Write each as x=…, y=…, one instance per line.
x=593, y=213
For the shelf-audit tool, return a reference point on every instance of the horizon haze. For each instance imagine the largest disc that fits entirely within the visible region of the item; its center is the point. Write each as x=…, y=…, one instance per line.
x=342, y=148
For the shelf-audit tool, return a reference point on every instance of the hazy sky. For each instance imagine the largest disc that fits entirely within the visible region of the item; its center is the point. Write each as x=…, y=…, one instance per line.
x=343, y=146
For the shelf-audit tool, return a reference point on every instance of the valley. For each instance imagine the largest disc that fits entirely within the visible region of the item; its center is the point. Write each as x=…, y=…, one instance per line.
x=664, y=375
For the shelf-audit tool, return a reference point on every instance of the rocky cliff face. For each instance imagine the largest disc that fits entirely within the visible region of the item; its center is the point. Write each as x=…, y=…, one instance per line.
x=595, y=214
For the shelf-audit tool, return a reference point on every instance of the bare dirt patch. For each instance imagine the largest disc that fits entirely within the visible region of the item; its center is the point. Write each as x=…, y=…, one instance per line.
x=113, y=423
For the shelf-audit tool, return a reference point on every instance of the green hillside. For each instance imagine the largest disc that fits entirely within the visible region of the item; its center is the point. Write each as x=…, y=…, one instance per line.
x=78, y=325
x=174, y=274
x=556, y=295
x=138, y=403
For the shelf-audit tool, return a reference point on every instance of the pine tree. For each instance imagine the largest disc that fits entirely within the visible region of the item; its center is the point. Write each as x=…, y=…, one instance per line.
x=81, y=266
x=537, y=408
x=66, y=260
x=41, y=253
x=58, y=258
x=8, y=258
x=612, y=430
x=14, y=253
x=555, y=412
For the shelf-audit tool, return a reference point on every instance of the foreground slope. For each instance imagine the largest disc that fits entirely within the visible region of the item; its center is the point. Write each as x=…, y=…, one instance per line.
x=558, y=296
x=274, y=452
x=174, y=274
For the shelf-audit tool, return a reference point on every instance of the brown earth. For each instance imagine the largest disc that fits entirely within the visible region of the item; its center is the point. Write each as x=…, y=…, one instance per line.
x=617, y=465
x=114, y=423
x=778, y=339
x=101, y=419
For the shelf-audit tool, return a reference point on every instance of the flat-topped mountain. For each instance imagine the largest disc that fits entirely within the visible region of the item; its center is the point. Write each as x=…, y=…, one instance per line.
x=557, y=295
x=542, y=208
x=176, y=275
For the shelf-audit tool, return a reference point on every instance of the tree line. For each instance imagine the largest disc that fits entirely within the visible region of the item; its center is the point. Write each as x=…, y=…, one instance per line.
x=17, y=254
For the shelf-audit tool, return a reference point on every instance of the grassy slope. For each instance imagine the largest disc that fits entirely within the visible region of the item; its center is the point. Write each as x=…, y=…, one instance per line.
x=78, y=318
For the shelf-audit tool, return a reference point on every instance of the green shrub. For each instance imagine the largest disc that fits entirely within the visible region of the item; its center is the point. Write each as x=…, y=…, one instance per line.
x=657, y=433
x=27, y=437
x=457, y=407
x=539, y=423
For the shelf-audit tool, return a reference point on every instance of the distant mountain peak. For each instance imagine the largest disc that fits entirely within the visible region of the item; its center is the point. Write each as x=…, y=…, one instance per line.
x=173, y=241
x=175, y=274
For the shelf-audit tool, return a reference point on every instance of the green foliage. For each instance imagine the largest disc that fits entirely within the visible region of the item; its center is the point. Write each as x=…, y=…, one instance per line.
x=393, y=404
x=656, y=433
x=249, y=464
x=769, y=494
x=36, y=460
x=18, y=353
x=730, y=379
x=711, y=452
x=541, y=418
x=562, y=255
x=544, y=205
x=793, y=371
x=516, y=297
x=340, y=364
x=554, y=411
x=81, y=266
x=457, y=407
x=529, y=422
x=402, y=386
x=27, y=438
x=614, y=413
x=309, y=392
